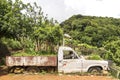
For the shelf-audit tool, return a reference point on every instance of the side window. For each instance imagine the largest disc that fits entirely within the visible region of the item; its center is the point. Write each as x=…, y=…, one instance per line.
x=69, y=55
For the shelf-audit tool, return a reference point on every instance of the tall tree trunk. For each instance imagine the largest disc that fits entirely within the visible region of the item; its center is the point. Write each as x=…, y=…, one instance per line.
x=37, y=45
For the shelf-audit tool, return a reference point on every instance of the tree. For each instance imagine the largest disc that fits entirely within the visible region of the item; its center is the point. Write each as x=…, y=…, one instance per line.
x=27, y=24
x=114, y=51
x=91, y=30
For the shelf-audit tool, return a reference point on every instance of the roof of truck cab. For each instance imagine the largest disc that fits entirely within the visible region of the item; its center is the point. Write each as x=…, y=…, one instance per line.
x=65, y=48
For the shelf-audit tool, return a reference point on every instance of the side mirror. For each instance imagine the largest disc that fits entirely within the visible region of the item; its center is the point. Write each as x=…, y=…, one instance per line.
x=81, y=57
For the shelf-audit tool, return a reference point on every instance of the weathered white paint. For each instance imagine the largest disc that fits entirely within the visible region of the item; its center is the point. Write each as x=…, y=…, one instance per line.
x=77, y=65
x=31, y=61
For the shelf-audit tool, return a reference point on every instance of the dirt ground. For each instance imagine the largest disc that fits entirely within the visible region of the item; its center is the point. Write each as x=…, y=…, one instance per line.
x=52, y=77
x=47, y=76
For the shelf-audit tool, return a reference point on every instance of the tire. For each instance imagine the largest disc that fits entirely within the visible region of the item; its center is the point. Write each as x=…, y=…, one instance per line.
x=18, y=70
x=11, y=70
x=32, y=70
x=95, y=70
x=50, y=69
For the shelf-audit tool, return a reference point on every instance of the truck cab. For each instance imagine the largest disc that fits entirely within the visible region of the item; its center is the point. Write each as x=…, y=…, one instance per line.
x=70, y=62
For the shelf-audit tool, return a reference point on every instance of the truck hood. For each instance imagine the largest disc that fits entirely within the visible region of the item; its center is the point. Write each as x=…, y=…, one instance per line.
x=89, y=63
x=97, y=61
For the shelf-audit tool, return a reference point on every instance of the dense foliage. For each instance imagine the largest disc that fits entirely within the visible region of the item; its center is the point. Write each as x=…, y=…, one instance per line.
x=25, y=28
x=100, y=32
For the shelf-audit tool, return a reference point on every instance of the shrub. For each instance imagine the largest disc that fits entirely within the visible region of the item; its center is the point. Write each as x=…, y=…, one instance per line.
x=94, y=57
x=11, y=43
x=2, y=61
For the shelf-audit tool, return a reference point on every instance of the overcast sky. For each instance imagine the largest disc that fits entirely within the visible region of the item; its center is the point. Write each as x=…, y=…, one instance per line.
x=61, y=10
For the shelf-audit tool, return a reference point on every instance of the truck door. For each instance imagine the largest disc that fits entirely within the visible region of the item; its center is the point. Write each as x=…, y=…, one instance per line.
x=71, y=62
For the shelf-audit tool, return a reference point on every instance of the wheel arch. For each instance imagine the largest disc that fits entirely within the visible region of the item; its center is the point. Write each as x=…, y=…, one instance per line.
x=94, y=67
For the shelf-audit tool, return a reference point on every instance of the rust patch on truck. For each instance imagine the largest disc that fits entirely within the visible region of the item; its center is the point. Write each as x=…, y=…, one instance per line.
x=31, y=61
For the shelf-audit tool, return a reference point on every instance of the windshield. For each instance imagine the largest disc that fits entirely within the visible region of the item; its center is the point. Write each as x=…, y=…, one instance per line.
x=69, y=55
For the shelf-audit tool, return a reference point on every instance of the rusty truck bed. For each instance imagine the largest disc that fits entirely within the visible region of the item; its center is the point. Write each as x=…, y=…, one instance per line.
x=31, y=61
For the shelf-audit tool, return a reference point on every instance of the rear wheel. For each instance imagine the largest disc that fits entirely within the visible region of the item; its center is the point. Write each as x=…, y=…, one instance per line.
x=32, y=70
x=95, y=70
x=16, y=69
x=11, y=70
x=50, y=69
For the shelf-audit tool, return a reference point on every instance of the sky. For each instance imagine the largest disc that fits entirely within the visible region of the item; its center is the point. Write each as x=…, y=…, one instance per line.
x=61, y=10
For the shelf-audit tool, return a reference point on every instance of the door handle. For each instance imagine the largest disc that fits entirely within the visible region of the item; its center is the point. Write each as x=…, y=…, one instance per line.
x=60, y=61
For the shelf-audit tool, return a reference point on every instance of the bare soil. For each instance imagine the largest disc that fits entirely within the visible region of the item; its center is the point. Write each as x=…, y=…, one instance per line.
x=47, y=76
x=52, y=77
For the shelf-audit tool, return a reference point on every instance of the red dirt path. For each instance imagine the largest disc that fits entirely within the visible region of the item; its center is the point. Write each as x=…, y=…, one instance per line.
x=52, y=77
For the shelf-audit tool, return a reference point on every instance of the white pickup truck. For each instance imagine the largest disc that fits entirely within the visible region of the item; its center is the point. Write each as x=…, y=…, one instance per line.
x=67, y=61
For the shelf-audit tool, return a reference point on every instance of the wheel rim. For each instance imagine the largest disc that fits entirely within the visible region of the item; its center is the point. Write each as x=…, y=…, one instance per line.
x=95, y=70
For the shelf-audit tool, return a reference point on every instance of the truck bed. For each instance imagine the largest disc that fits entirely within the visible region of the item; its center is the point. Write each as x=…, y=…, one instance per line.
x=31, y=61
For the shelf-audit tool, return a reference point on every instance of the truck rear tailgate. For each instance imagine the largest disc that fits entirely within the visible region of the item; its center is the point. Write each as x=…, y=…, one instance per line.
x=31, y=61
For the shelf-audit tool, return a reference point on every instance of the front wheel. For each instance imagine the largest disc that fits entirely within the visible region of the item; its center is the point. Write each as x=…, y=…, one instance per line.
x=95, y=70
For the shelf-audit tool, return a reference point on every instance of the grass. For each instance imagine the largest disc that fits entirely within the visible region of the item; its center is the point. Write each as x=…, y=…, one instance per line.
x=94, y=57
x=31, y=54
